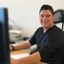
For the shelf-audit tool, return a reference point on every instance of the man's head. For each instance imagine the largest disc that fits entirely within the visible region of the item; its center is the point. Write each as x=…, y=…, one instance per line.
x=46, y=15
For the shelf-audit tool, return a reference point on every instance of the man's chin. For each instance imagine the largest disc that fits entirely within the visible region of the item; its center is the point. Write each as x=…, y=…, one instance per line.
x=45, y=27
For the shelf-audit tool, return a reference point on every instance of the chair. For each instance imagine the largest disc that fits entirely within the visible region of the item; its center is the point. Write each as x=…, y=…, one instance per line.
x=59, y=14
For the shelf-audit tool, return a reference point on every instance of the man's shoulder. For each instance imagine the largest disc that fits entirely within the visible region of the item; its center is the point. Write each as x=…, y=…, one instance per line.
x=57, y=32
x=40, y=28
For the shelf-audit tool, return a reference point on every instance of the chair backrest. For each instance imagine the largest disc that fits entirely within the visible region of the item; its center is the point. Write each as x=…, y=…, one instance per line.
x=59, y=14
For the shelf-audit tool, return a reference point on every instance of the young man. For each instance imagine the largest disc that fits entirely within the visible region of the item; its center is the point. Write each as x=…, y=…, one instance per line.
x=48, y=38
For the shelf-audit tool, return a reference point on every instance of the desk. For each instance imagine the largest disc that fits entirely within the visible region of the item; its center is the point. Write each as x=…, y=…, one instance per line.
x=22, y=52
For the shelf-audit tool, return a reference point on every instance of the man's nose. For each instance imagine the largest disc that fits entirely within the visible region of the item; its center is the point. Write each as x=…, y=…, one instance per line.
x=44, y=18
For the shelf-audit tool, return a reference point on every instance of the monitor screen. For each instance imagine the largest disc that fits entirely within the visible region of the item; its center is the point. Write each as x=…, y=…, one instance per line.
x=4, y=36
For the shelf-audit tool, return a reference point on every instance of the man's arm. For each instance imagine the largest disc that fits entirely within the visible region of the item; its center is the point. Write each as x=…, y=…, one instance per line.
x=22, y=45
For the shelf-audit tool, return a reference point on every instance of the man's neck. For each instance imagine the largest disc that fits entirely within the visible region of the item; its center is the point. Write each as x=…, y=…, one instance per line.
x=45, y=29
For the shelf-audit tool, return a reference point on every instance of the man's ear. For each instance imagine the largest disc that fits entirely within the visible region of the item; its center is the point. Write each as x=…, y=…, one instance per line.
x=54, y=18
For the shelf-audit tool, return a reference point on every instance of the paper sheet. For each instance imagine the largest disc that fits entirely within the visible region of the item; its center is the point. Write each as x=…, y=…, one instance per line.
x=18, y=56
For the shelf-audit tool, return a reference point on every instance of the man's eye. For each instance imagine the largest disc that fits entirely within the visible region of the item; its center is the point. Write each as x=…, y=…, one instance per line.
x=48, y=15
x=42, y=16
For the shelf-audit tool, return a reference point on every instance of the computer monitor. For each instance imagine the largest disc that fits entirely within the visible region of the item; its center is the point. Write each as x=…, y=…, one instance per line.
x=4, y=36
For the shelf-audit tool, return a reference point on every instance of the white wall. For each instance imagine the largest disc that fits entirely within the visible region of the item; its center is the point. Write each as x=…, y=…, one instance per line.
x=25, y=12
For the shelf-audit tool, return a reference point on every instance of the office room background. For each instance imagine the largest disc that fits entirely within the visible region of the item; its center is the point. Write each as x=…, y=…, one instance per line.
x=24, y=14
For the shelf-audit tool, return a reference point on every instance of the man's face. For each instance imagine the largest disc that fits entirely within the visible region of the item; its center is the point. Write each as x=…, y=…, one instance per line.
x=46, y=18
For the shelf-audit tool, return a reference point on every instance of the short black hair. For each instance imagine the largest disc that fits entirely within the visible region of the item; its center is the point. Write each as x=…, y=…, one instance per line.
x=47, y=7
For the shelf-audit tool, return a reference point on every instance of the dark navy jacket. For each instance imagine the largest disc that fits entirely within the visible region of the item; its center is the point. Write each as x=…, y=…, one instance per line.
x=50, y=44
